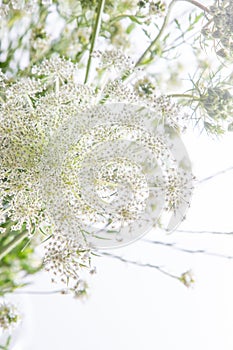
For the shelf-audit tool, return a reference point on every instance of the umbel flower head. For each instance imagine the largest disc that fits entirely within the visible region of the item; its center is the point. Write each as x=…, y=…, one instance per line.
x=214, y=103
x=217, y=104
x=97, y=167
x=220, y=27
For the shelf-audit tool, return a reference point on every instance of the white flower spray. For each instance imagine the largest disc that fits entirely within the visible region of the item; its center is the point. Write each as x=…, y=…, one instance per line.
x=97, y=167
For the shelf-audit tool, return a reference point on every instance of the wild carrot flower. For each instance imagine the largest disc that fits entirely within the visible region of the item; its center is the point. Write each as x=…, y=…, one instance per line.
x=97, y=167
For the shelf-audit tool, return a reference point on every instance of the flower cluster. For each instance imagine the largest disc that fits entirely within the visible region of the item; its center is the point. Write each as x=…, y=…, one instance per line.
x=64, y=258
x=86, y=164
x=30, y=110
x=152, y=7
x=27, y=6
x=217, y=105
x=220, y=27
x=9, y=316
x=114, y=59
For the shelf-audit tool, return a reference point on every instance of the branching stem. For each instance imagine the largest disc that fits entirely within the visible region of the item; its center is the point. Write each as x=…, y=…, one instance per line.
x=165, y=22
x=150, y=47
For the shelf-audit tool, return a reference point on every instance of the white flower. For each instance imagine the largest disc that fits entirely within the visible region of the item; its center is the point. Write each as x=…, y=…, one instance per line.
x=56, y=68
x=65, y=258
x=94, y=169
x=187, y=278
x=114, y=59
x=9, y=316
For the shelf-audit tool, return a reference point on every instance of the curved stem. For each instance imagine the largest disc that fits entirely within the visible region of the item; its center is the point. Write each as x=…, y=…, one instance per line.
x=94, y=36
x=11, y=245
x=186, y=250
x=196, y=3
x=150, y=47
x=136, y=263
x=119, y=17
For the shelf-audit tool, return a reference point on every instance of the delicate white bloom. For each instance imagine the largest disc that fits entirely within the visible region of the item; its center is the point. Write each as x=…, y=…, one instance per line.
x=114, y=59
x=28, y=116
x=101, y=169
x=80, y=289
x=187, y=278
x=56, y=68
x=96, y=173
x=9, y=316
x=65, y=258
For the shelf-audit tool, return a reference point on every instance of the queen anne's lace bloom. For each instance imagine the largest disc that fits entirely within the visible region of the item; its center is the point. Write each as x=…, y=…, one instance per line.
x=64, y=258
x=114, y=59
x=97, y=167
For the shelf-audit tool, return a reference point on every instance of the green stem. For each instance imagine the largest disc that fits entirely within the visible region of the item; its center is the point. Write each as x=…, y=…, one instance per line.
x=11, y=245
x=119, y=17
x=165, y=22
x=184, y=96
x=94, y=36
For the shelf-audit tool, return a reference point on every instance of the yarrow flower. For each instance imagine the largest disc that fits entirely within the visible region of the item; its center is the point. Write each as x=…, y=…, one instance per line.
x=9, y=316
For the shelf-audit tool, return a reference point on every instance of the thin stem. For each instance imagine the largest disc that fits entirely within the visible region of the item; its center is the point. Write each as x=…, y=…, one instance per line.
x=184, y=96
x=215, y=175
x=189, y=251
x=150, y=47
x=165, y=22
x=206, y=232
x=196, y=3
x=94, y=36
x=43, y=292
x=11, y=245
x=133, y=262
